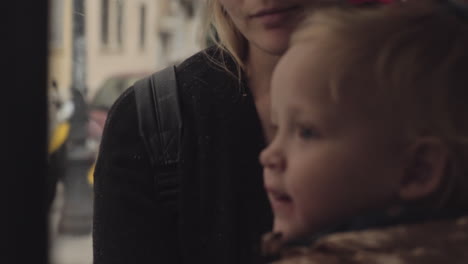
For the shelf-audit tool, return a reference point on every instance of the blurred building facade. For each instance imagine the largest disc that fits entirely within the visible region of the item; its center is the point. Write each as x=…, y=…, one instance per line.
x=181, y=30
x=60, y=45
x=123, y=36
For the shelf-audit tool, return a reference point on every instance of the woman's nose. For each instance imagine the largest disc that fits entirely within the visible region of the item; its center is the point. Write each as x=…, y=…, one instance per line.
x=272, y=158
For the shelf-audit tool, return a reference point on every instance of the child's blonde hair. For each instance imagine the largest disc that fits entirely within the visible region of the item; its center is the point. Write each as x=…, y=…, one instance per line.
x=412, y=59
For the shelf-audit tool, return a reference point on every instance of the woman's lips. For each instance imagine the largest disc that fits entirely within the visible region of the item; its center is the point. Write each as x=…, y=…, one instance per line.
x=275, y=17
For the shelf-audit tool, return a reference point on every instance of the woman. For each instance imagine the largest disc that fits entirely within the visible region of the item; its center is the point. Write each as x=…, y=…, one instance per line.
x=224, y=96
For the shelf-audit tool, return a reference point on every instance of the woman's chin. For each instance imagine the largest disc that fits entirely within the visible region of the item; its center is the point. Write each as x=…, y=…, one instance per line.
x=274, y=44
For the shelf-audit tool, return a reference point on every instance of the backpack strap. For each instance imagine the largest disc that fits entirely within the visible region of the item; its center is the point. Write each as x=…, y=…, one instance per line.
x=159, y=120
x=160, y=127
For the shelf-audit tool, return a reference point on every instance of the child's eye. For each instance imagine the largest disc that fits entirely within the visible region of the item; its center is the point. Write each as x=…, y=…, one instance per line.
x=307, y=132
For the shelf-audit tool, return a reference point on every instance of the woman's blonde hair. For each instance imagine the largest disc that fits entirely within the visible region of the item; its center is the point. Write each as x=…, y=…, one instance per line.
x=224, y=34
x=411, y=60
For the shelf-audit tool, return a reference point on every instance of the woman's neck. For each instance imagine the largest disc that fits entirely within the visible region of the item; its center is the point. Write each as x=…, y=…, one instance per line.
x=260, y=65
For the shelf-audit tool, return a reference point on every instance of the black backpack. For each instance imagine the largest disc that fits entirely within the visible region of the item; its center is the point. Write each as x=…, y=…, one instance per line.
x=160, y=127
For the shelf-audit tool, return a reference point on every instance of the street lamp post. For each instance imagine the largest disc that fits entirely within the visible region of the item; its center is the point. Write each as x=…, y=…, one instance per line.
x=79, y=47
x=76, y=213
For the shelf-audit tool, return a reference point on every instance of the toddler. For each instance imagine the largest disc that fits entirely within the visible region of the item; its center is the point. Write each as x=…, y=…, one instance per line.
x=369, y=163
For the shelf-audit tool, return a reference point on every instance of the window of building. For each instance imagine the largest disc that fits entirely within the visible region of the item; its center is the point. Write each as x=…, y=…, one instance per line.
x=105, y=22
x=120, y=10
x=142, y=26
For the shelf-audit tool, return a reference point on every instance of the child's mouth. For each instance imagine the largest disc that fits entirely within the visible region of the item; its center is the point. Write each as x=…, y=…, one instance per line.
x=281, y=202
x=279, y=196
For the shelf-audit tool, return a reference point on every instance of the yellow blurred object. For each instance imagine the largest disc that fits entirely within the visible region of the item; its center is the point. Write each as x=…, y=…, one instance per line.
x=59, y=136
x=91, y=174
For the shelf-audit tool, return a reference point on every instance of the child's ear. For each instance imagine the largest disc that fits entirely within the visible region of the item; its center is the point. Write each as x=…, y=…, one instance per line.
x=425, y=168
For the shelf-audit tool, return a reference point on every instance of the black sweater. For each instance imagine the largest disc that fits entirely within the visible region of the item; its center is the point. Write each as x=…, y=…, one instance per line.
x=222, y=207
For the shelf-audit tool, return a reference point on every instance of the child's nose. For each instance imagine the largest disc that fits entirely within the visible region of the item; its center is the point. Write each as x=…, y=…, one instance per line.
x=272, y=158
